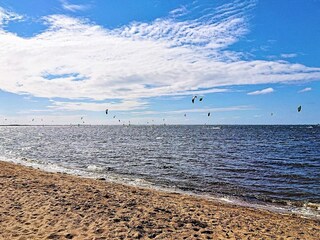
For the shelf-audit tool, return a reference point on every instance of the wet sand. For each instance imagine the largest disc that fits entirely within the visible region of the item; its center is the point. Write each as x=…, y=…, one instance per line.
x=40, y=205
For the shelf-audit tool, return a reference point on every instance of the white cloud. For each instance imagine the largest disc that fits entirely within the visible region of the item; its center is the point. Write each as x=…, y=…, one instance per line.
x=75, y=59
x=6, y=16
x=179, y=12
x=73, y=7
x=197, y=110
x=261, y=92
x=289, y=55
x=127, y=105
x=307, y=89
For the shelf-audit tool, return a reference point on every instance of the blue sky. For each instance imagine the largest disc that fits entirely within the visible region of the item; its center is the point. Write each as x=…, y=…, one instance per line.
x=253, y=62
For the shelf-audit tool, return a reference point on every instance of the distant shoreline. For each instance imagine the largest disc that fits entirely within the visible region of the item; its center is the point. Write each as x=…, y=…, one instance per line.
x=57, y=125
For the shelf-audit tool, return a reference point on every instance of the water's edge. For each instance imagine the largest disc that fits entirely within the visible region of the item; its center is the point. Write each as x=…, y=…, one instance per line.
x=310, y=211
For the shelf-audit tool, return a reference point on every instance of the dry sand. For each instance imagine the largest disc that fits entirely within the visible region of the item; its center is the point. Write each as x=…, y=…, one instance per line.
x=41, y=205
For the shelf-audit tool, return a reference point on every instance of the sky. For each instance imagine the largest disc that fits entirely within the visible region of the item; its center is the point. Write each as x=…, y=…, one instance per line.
x=67, y=61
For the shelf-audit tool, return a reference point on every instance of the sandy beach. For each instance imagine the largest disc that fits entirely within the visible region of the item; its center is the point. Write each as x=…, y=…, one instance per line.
x=41, y=205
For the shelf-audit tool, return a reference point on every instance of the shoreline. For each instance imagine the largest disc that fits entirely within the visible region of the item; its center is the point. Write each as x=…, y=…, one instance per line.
x=156, y=124
x=44, y=205
x=309, y=212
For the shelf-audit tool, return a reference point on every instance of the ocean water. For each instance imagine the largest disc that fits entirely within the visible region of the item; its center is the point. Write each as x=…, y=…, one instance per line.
x=272, y=167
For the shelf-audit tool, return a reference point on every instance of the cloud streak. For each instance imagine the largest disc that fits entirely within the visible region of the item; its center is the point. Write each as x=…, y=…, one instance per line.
x=289, y=55
x=128, y=105
x=261, y=92
x=73, y=7
x=216, y=109
x=198, y=110
x=76, y=59
x=307, y=89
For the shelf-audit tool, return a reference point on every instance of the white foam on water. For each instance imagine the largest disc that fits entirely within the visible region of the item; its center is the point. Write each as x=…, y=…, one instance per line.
x=304, y=211
x=48, y=167
x=95, y=168
x=225, y=199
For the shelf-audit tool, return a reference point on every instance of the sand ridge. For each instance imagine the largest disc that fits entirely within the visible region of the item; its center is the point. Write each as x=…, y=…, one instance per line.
x=41, y=205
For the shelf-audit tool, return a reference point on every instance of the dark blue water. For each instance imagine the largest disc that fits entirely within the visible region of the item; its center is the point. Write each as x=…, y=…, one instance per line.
x=257, y=164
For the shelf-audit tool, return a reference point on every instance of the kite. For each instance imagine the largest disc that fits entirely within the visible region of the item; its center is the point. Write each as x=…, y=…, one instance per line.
x=299, y=108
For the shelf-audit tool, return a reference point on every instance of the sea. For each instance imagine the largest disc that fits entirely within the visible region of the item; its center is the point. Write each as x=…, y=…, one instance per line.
x=271, y=167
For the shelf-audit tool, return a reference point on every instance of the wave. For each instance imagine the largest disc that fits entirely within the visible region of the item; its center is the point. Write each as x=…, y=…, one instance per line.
x=95, y=168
